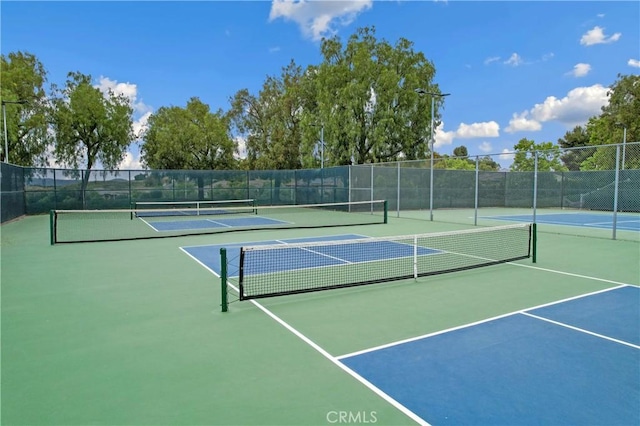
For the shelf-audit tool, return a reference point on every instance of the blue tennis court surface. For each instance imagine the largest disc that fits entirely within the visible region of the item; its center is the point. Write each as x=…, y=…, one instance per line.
x=309, y=257
x=220, y=222
x=624, y=221
x=573, y=363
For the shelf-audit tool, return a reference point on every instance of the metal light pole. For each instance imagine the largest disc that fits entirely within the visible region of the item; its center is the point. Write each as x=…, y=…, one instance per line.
x=432, y=141
x=4, y=117
x=624, y=140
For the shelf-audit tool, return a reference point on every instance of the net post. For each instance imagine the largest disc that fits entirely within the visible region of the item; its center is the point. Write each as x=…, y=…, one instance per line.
x=534, y=242
x=386, y=211
x=52, y=226
x=223, y=279
x=415, y=257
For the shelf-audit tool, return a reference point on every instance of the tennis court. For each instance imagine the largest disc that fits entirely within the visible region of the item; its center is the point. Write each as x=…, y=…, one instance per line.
x=131, y=332
x=623, y=221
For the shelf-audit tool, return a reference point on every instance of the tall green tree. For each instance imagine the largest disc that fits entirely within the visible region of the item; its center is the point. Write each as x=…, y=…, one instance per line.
x=548, y=156
x=365, y=97
x=620, y=113
x=190, y=138
x=574, y=143
x=23, y=80
x=89, y=126
x=270, y=122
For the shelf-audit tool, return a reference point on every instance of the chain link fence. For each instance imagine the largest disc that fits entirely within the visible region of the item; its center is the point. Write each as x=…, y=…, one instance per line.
x=36, y=190
x=592, y=191
x=603, y=181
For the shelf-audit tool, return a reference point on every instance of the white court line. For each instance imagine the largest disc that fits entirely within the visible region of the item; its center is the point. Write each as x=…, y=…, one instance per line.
x=149, y=225
x=460, y=327
x=326, y=354
x=218, y=223
x=582, y=330
x=342, y=366
x=336, y=360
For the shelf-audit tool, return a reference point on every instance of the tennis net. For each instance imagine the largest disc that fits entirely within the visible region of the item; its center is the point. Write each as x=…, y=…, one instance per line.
x=192, y=208
x=282, y=269
x=70, y=226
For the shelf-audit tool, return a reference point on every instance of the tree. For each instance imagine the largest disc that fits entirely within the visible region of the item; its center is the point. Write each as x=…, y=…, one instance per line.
x=621, y=112
x=460, y=151
x=487, y=164
x=271, y=121
x=23, y=79
x=365, y=97
x=458, y=162
x=548, y=156
x=191, y=138
x=89, y=126
x=574, y=142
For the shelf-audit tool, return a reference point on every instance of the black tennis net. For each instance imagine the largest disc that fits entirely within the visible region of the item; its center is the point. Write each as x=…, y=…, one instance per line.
x=281, y=269
x=70, y=226
x=192, y=208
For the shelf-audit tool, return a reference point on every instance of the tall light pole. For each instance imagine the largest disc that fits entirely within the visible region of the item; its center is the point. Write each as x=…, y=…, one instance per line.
x=431, y=142
x=4, y=117
x=624, y=140
x=321, y=143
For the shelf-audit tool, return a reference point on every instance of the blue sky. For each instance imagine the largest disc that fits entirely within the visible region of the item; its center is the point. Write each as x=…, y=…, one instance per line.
x=514, y=68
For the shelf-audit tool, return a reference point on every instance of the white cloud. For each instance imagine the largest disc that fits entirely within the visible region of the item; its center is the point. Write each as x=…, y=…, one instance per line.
x=547, y=56
x=442, y=137
x=318, y=19
x=596, y=36
x=130, y=162
x=140, y=125
x=274, y=49
x=634, y=63
x=522, y=123
x=491, y=59
x=129, y=90
x=489, y=129
x=580, y=70
x=485, y=147
x=572, y=110
x=575, y=108
x=514, y=60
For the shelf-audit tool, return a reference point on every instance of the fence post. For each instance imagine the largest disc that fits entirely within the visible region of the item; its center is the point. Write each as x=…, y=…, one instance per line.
x=223, y=279
x=475, y=209
x=535, y=184
x=615, y=192
x=398, y=192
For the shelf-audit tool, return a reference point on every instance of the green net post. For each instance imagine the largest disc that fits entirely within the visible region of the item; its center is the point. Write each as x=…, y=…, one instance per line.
x=385, y=211
x=534, y=242
x=52, y=226
x=223, y=279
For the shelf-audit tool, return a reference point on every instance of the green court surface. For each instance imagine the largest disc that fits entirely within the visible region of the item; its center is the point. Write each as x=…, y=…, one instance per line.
x=131, y=332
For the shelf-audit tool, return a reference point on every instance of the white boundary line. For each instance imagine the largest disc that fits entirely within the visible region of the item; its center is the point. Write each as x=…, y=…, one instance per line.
x=326, y=354
x=337, y=360
x=582, y=330
x=460, y=327
x=342, y=366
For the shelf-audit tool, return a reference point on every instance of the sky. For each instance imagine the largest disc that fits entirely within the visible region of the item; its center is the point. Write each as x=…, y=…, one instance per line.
x=514, y=69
